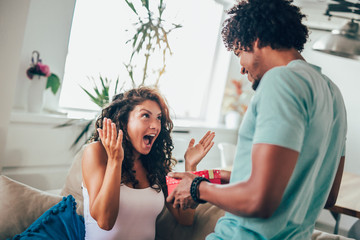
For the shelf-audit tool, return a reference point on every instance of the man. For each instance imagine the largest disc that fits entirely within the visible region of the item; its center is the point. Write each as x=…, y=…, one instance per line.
x=291, y=145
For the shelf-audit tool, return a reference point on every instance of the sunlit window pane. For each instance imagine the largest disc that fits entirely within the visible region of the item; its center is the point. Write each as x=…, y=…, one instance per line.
x=97, y=46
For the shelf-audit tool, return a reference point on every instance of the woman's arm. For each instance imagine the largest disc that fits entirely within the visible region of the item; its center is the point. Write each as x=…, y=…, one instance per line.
x=193, y=155
x=101, y=169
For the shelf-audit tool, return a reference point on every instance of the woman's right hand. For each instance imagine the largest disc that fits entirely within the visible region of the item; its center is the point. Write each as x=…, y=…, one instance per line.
x=195, y=153
x=112, y=141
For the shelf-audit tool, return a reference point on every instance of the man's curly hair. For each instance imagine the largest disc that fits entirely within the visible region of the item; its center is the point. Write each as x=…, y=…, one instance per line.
x=159, y=161
x=276, y=23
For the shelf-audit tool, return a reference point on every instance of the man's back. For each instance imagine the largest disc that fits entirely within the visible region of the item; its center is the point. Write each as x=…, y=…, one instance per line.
x=297, y=108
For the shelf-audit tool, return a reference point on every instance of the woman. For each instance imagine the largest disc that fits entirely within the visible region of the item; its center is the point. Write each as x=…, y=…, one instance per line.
x=124, y=168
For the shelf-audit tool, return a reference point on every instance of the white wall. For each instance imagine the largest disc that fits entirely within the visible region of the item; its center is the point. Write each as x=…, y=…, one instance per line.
x=182, y=134
x=47, y=31
x=346, y=75
x=37, y=152
x=13, y=16
x=30, y=147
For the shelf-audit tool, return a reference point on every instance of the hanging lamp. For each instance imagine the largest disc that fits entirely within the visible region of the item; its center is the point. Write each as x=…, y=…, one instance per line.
x=343, y=42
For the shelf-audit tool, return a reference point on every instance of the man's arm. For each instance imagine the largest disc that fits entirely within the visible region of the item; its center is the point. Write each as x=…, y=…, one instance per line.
x=259, y=196
x=336, y=185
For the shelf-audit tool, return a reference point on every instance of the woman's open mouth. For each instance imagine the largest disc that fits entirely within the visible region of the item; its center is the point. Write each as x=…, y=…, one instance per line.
x=148, y=139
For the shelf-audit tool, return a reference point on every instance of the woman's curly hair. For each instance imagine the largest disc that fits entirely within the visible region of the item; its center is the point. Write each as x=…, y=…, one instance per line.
x=159, y=161
x=276, y=23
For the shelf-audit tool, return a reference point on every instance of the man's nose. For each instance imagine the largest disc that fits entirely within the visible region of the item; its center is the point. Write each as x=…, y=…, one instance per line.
x=243, y=70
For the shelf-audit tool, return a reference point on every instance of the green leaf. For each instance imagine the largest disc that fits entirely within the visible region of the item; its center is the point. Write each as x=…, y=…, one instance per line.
x=83, y=132
x=131, y=6
x=104, y=83
x=94, y=99
x=98, y=94
x=145, y=4
x=134, y=39
x=116, y=85
x=161, y=9
x=53, y=82
x=68, y=123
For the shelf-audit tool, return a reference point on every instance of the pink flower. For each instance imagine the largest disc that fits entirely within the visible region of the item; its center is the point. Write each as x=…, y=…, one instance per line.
x=44, y=69
x=37, y=67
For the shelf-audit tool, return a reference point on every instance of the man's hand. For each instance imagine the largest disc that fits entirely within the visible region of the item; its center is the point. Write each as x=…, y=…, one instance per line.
x=194, y=154
x=180, y=197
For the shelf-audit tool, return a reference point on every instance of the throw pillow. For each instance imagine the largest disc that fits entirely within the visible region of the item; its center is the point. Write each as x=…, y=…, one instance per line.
x=73, y=182
x=21, y=205
x=59, y=222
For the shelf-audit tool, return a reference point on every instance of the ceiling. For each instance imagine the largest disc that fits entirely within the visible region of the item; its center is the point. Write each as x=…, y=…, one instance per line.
x=316, y=9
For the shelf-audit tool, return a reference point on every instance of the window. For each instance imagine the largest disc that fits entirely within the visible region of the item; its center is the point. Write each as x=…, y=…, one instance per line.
x=97, y=46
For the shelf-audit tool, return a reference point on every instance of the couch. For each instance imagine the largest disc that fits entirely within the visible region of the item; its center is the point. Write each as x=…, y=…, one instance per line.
x=21, y=205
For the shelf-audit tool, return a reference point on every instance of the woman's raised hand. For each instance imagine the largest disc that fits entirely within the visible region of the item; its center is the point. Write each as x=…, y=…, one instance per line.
x=194, y=154
x=112, y=141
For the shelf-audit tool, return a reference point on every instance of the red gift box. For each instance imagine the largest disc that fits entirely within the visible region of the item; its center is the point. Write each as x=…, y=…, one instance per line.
x=212, y=175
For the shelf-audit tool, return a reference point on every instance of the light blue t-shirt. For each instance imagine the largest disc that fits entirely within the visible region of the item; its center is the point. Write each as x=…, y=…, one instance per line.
x=296, y=107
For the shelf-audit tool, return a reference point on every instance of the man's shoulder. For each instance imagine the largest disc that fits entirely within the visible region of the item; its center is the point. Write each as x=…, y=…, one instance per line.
x=292, y=68
x=296, y=75
x=281, y=78
x=280, y=74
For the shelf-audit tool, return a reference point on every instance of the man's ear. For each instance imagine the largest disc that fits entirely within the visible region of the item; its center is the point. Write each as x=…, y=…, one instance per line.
x=256, y=43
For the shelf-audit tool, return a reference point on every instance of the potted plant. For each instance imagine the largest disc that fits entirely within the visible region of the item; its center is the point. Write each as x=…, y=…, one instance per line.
x=151, y=37
x=100, y=95
x=41, y=79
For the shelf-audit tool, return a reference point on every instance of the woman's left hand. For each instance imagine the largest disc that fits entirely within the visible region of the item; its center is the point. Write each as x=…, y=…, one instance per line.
x=194, y=154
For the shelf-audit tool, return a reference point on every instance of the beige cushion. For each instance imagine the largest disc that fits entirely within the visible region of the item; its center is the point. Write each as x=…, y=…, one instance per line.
x=318, y=235
x=73, y=182
x=206, y=216
x=21, y=205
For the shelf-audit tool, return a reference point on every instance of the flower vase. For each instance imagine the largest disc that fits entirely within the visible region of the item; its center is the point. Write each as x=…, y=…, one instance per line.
x=36, y=90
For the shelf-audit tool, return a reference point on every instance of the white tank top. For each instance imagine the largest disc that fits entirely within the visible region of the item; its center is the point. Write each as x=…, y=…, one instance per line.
x=136, y=219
